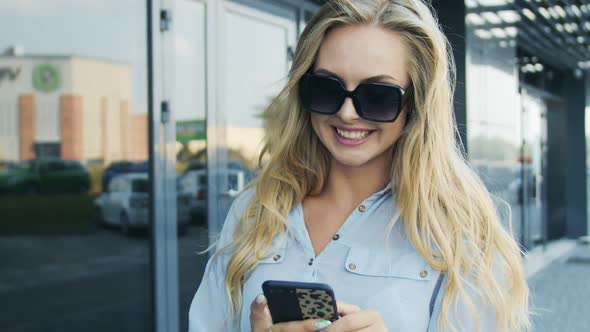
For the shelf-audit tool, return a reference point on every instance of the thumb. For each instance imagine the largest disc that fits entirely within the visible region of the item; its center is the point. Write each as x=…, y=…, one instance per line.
x=345, y=308
x=260, y=319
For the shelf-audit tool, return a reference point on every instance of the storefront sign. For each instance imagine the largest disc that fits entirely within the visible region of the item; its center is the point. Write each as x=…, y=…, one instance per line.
x=9, y=73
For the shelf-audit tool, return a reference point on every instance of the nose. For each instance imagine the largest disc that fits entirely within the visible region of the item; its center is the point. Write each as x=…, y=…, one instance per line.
x=347, y=112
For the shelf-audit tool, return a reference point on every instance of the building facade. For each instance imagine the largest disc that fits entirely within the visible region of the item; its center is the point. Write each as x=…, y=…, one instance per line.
x=69, y=107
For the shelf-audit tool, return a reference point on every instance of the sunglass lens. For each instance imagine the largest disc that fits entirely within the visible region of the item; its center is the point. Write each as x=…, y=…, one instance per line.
x=321, y=94
x=379, y=102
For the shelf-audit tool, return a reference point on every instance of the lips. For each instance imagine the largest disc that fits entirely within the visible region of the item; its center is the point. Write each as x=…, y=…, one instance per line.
x=353, y=133
x=352, y=136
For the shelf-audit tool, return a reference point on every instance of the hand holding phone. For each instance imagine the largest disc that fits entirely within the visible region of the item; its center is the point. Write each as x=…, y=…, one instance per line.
x=294, y=301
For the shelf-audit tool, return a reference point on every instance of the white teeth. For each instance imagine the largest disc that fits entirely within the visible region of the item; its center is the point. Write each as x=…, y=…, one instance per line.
x=352, y=134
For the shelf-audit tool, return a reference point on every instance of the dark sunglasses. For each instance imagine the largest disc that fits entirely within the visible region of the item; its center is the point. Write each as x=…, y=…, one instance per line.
x=377, y=102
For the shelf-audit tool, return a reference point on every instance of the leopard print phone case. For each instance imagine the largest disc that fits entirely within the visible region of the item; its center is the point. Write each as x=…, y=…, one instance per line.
x=293, y=301
x=315, y=303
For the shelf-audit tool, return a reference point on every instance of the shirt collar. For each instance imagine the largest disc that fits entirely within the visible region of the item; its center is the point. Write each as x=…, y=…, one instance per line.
x=385, y=191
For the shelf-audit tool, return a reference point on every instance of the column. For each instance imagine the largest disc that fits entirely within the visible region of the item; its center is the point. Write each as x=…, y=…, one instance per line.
x=27, y=119
x=71, y=127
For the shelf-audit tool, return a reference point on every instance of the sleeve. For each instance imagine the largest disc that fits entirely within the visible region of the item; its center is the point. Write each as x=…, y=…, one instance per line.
x=460, y=315
x=208, y=310
x=209, y=306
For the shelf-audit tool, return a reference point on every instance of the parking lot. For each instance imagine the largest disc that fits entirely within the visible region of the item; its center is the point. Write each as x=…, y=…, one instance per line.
x=96, y=281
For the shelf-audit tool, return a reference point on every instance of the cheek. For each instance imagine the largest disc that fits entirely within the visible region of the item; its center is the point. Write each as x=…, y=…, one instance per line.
x=316, y=123
x=392, y=131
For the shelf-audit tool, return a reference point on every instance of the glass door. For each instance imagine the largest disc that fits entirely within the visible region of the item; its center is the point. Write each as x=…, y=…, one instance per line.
x=258, y=45
x=232, y=58
x=533, y=169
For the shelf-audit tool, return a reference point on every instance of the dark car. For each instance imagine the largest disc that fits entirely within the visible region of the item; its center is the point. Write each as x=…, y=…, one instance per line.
x=45, y=176
x=122, y=167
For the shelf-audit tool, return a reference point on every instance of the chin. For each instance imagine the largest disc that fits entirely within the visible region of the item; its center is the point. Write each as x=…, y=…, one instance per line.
x=350, y=160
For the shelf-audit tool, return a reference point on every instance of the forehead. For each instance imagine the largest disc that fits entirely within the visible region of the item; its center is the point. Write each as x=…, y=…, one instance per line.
x=360, y=51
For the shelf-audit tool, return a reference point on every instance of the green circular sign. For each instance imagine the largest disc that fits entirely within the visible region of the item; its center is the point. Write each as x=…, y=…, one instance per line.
x=46, y=78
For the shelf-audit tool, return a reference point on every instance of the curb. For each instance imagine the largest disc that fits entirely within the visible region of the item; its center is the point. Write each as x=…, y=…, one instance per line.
x=540, y=257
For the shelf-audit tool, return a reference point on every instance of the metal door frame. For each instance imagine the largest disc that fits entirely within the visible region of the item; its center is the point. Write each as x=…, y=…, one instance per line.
x=162, y=172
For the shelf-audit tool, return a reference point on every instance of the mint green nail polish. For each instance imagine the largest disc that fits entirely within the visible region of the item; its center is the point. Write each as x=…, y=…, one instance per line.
x=321, y=324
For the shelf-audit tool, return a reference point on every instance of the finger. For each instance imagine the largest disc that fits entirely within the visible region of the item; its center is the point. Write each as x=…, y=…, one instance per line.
x=356, y=321
x=345, y=308
x=260, y=319
x=366, y=329
x=309, y=325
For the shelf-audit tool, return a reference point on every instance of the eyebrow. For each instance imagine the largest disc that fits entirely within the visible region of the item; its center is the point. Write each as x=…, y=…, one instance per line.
x=366, y=80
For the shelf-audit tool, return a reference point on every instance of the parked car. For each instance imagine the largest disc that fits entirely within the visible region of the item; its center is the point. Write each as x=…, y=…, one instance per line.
x=45, y=176
x=126, y=204
x=194, y=183
x=122, y=167
x=231, y=164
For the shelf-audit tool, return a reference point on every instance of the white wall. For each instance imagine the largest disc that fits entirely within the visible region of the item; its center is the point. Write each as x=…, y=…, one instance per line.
x=47, y=115
x=8, y=129
x=94, y=80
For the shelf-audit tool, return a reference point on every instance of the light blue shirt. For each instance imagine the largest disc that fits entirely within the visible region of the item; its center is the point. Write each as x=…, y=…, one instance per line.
x=363, y=265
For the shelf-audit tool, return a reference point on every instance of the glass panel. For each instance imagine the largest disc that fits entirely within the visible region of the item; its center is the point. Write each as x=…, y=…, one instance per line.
x=255, y=62
x=493, y=115
x=256, y=67
x=73, y=117
x=191, y=158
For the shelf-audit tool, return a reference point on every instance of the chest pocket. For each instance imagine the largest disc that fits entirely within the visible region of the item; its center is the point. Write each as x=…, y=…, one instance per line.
x=406, y=264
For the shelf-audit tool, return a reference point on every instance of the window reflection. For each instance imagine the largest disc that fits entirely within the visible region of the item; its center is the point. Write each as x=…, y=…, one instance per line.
x=73, y=119
x=506, y=124
x=493, y=105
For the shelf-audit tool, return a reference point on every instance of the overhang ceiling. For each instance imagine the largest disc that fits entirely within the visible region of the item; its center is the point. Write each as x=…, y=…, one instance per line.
x=556, y=31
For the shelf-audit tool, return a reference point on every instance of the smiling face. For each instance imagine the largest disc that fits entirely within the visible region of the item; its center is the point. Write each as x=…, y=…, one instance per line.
x=360, y=54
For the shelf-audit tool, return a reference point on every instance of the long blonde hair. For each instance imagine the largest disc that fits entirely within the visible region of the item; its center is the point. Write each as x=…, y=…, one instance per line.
x=447, y=212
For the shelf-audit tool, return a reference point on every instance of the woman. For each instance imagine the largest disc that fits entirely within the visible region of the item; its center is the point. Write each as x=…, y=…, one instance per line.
x=367, y=191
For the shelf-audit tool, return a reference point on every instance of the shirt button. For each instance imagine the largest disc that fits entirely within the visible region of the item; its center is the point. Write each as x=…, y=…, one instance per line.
x=335, y=237
x=310, y=263
x=424, y=274
x=277, y=257
x=352, y=266
x=362, y=208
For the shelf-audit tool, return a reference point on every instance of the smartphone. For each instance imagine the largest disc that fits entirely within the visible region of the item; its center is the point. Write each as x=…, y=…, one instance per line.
x=292, y=301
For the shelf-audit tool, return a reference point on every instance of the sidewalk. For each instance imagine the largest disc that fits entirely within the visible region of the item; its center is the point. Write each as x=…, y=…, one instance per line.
x=561, y=290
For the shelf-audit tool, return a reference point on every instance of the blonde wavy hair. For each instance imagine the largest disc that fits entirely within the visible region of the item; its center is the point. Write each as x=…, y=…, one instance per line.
x=447, y=212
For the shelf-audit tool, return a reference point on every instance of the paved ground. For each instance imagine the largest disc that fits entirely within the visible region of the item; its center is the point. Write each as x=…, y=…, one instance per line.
x=561, y=293
x=100, y=282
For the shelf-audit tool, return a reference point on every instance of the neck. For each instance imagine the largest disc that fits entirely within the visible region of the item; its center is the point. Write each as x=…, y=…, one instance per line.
x=351, y=185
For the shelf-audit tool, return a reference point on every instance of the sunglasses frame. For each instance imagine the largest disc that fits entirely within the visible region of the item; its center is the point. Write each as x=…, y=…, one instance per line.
x=354, y=96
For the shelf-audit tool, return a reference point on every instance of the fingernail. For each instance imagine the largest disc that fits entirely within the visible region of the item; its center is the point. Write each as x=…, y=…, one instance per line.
x=259, y=299
x=321, y=324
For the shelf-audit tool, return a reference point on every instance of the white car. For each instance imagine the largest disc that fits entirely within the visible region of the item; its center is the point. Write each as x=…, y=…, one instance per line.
x=194, y=184
x=126, y=204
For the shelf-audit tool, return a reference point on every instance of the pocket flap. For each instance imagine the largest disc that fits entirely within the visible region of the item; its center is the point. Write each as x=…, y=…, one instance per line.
x=408, y=264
